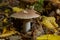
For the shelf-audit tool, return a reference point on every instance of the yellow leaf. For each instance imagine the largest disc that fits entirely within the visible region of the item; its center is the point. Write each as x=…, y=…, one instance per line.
x=49, y=22
x=7, y=10
x=48, y=37
x=5, y=20
x=4, y=30
x=17, y=9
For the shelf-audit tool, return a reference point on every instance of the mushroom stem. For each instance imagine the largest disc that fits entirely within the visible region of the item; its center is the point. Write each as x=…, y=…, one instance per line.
x=26, y=26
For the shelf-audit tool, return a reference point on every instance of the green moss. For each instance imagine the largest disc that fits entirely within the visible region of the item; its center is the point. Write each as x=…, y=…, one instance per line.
x=39, y=5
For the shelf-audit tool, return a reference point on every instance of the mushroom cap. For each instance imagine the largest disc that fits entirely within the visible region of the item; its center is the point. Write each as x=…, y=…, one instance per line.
x=25, y=14
x=29, y=1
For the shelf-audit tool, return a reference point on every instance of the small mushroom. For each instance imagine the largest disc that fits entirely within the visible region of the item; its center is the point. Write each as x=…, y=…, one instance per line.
x=25, y=16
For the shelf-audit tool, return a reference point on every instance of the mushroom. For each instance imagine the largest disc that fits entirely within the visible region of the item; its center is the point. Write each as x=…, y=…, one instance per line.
x=25, y=16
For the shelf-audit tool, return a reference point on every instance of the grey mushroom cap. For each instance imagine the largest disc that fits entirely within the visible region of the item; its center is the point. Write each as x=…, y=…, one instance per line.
x=25, y=14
